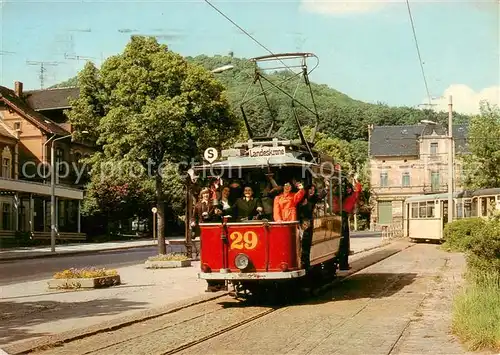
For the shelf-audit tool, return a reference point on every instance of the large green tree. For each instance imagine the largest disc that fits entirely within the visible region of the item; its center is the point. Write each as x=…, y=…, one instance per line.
x=151, y=106
x=482, y=166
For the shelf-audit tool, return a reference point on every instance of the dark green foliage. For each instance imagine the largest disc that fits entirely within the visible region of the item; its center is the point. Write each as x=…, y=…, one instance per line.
x=479, y=238
x=484, y=252
x=482, y=166
x=459, y=235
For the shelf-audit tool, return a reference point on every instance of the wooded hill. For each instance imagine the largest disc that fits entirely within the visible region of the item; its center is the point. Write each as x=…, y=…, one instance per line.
x=341, y=116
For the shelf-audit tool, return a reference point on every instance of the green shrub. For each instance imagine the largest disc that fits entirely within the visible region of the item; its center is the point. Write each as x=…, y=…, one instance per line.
x=459, y=235
x=85, y=273
x=476, y=312
x=169, y=257
x=484, y=252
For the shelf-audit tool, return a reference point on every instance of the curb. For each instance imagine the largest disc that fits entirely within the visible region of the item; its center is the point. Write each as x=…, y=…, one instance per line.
x=71, y=253
x=46, y=342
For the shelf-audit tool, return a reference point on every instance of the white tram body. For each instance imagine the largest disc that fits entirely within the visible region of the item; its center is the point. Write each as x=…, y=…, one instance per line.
x=426, y=215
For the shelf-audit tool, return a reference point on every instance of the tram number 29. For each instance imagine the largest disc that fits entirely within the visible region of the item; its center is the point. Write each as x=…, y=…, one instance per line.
x=247, y=240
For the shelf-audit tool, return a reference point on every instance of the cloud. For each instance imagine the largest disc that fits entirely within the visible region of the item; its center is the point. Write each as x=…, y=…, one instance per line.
x=465, y=99
x=342, y=7
x=334, y=7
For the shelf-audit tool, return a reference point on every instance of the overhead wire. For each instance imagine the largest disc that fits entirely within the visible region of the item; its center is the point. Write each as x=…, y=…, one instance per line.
x=248, y=34
x=418, y=52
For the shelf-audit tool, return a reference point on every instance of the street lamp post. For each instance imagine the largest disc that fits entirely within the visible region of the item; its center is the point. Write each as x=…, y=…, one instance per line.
x=53, y=193
x=450, y=161
x=451, y=158
x=222, y=69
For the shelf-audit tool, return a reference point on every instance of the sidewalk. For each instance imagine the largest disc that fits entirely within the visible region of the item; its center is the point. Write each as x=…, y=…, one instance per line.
x=75, y=248
x=29, y=310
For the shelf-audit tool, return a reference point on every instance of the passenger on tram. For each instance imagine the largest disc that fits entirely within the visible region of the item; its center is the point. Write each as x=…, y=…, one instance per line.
x=269, y=193
x=306, y=217
x=204, y=211
x=224, y=206
x=285, y=204
x=247, y=207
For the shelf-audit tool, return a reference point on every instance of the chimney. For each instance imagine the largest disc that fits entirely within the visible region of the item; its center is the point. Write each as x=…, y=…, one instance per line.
x=18, y=88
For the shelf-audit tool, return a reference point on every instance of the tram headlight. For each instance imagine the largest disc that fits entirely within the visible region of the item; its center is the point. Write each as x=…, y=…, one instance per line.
x=241, y=261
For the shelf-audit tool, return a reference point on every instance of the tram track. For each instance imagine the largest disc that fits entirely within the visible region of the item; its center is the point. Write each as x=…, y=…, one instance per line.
x=318, y=293
x=194, y=324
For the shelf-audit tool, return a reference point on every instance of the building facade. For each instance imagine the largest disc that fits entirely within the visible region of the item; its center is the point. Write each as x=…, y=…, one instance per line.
x=410, y=160
x=29, y=123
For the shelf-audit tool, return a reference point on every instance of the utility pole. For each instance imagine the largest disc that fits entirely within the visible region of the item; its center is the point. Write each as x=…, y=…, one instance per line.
x=42, y=69
x=450, y=161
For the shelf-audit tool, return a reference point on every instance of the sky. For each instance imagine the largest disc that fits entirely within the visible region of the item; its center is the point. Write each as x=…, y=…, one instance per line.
x=366, y=49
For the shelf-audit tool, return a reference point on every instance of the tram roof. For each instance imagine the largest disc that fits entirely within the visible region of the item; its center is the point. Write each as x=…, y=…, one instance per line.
x=430, y=197
x=256, y=162
x=489, y=191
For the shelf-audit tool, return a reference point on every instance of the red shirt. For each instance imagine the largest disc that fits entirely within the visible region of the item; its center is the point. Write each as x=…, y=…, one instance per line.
x=285, y=206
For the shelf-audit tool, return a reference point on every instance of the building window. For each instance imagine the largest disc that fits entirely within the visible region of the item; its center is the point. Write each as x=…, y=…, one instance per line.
x=434, y=148
x=6, y=168
x=435, y=181
x=384, y=180
x=6, y=163
x=406, y=179
x=6, y=216
x=60, y=159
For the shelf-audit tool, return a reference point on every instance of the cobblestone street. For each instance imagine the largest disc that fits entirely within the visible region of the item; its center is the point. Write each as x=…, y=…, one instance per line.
x=401, y=305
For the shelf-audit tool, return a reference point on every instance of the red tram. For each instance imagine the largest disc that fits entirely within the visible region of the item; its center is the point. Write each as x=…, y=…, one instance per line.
x=255, y=253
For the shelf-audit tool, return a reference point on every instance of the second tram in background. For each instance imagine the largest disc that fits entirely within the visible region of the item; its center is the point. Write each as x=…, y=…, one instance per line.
x=425, y=216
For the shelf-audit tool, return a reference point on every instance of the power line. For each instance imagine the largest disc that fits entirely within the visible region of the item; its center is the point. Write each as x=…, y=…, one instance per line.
x=418, y=52
x=245, y=32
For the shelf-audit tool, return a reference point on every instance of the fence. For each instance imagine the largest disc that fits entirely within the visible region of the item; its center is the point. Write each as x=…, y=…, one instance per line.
x=390, y=230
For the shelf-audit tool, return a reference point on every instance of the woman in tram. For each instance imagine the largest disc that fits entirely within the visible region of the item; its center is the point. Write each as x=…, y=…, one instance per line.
x=224, y=206
x=285, y=204
x=203, y=210
x=269, y=193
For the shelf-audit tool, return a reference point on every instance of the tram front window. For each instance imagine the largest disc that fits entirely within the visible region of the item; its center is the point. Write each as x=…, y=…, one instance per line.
x=250, y=194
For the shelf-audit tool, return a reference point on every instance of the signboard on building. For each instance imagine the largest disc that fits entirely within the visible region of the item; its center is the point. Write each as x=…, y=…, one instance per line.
x=266, y=152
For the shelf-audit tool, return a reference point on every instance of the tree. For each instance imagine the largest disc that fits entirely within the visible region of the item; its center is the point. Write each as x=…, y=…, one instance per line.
x=482, y=165
x=157, y=109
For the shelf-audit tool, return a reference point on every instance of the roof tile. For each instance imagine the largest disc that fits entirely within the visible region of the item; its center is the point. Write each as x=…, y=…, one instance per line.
x=403, y=140
x=39, y=120
x=49, y=99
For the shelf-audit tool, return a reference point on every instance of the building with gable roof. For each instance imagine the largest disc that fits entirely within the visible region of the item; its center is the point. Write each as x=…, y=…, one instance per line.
x=410, y=160
x=29, y=121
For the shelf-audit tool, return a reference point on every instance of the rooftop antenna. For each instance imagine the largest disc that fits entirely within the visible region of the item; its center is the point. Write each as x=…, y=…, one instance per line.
x=77, y=57
x=42, y=68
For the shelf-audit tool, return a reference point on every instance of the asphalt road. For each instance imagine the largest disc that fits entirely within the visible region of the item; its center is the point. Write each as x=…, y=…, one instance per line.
x=43, y=268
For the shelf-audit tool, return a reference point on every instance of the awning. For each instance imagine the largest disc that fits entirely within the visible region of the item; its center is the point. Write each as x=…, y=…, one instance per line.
x=40, y=189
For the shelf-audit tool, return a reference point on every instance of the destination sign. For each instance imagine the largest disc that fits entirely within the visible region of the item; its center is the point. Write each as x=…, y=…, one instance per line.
x=266, y=152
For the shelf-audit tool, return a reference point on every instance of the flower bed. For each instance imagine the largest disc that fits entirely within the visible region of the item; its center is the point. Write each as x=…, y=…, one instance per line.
x=84, y=278
x=170, y=260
